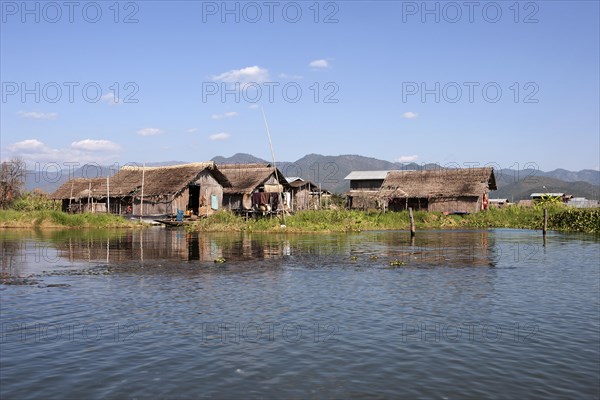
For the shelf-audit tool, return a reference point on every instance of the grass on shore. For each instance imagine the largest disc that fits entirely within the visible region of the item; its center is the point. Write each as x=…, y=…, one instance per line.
x=59, y=219
x=560, y=218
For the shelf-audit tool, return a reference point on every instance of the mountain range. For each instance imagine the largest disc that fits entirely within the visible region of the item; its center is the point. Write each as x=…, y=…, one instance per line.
x=330, y=171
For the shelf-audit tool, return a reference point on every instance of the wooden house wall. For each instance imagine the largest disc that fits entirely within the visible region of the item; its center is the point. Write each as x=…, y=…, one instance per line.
x=304, y=199
x=239, y=201
x=363, y=202
x=301, y=199
x=232, y=201
x=157, y=205
x=366, y=184
x=469, y=204
x=271, y=180
x=209, y=186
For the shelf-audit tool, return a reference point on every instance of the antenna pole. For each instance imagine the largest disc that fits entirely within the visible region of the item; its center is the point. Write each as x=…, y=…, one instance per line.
x=273, y=157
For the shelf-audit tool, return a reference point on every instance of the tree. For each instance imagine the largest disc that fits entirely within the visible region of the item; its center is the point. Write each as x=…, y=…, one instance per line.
x=12, y=181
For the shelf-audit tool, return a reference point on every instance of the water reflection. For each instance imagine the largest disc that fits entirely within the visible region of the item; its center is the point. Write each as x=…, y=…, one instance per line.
x=26, y=252
x=471, y=314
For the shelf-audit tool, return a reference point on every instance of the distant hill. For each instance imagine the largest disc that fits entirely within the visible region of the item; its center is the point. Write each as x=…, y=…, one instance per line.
x=521, y=190
x=330, y=171
x=239, y=158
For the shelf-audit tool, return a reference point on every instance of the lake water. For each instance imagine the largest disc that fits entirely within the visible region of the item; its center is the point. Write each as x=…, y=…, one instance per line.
x=150, y=314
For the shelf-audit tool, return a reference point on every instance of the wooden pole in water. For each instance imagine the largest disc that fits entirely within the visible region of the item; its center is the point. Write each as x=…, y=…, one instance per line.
x=108, y=193
x=142, y=197
x=545, y=228
x=412, y=221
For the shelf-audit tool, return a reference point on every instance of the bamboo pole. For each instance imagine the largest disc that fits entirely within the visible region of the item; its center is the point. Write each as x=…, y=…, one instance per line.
x=412, y=221
x=142, y=198
x=274, y=164
x=108, y=194
x=545, y=228
x=71, y=197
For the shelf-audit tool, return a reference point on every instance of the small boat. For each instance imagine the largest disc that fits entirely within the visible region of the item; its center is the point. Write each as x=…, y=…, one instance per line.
x=172, y=223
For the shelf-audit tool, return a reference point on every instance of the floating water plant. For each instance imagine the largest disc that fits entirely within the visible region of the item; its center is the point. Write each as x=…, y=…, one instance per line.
x=397, y=263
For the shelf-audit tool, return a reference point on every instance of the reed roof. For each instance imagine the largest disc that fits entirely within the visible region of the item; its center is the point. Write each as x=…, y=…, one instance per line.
x=438, y=183
x=166, y=180
x=246, y=178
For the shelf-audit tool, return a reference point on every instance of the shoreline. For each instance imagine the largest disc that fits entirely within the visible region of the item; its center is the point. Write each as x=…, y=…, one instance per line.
x=326, y=221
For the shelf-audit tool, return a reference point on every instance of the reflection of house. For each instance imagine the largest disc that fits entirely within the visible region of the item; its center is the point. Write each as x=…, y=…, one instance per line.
x=252, y=185
x=364, y=188
x=164, y=190
x=159, y=247
x=445, y=190
x=306, y=195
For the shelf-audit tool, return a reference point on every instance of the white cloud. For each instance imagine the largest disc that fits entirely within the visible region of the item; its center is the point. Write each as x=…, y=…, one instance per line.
x=95, y=145
x=410, y=115
x=292, y=77
x=412, y=158
x=319, y=64
x=83, y=151
x=110, y=98
x=253, y=106
x=220, y=136
x=192, y=130
x=149, y=132
x=229, y=114
x=244, y=75
x=37, y=115
x=28, y=145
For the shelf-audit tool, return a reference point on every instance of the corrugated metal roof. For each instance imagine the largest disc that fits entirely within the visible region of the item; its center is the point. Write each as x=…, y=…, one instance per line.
x=366, y=175
x=294, y=178
x=547, y=194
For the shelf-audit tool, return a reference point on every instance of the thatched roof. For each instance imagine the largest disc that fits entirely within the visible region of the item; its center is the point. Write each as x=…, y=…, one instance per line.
x=78, y=188
x=297, y=184
x=438, y=183
x=244, y=166
x=157, y=181
x=246, y=178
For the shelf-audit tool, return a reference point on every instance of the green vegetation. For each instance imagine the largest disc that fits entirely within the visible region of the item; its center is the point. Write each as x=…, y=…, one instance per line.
x=560, y=218
x=36, y=210
x=35, y=201
x=579, y=220
x=54, y=219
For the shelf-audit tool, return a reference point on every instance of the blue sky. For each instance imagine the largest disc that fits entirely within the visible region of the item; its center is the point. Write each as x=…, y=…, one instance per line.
x=390, y=80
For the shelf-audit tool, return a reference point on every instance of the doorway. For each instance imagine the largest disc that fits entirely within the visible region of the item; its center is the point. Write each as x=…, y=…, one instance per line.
x=194, y=198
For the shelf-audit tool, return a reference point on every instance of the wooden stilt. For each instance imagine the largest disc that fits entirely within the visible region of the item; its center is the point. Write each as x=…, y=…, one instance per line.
x=412, y=221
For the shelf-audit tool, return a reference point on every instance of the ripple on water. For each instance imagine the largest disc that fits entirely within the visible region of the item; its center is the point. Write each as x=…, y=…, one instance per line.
x=295, y=316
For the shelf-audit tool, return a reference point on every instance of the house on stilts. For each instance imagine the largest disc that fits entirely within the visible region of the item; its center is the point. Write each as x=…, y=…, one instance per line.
x=148, y=191
x=461, y=190
x=255, y=187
